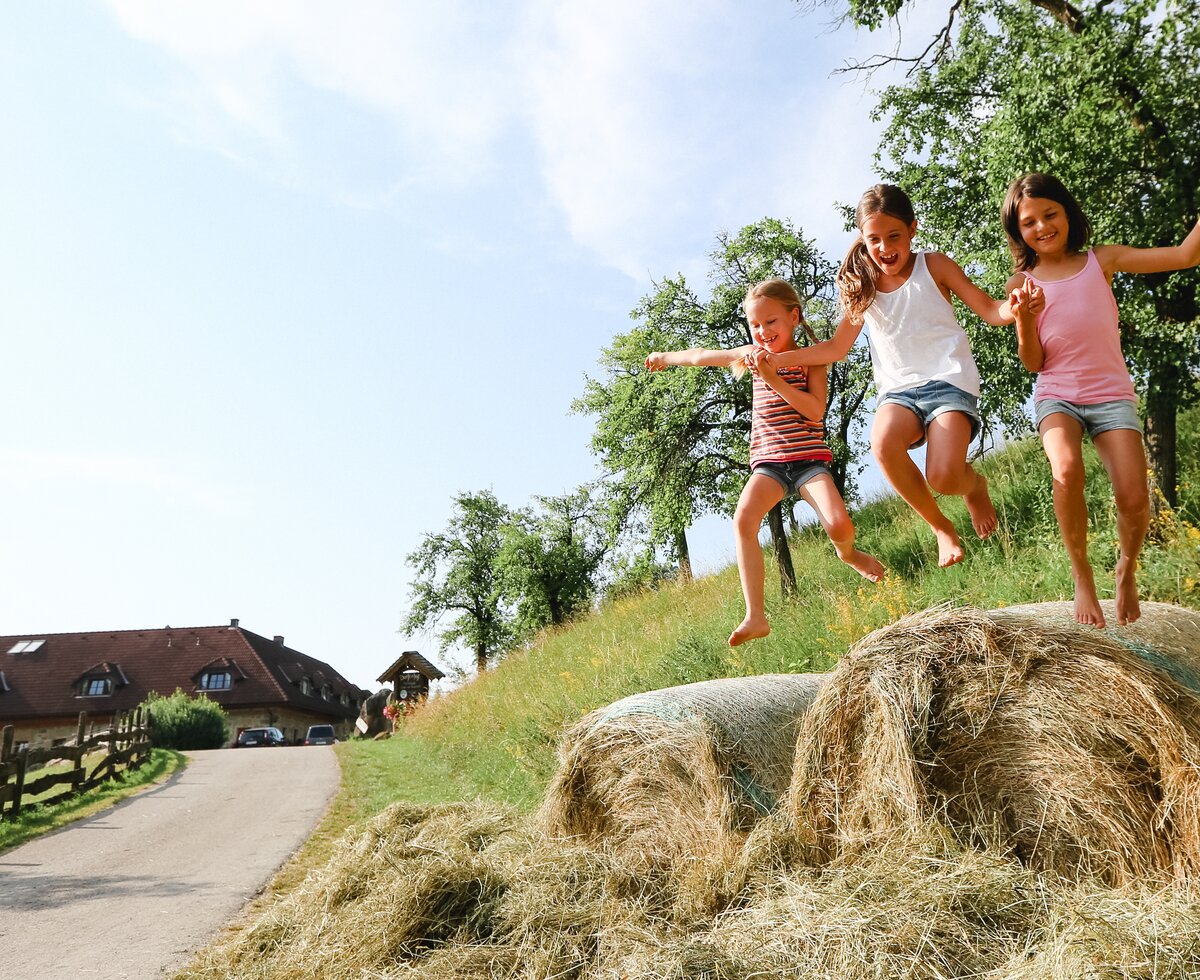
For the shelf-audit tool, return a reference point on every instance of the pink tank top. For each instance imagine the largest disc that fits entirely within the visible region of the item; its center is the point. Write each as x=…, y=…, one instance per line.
x=1081, y=340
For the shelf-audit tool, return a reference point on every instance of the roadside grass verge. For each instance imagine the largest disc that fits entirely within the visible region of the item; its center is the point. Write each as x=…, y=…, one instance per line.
x=36, y=819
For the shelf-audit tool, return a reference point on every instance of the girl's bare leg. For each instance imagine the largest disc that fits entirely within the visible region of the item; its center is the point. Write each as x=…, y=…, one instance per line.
x=948, y=471
x=822, y=494
x=894, y=430
x=1124, y=456
x=759, y=495
x=1062, y=438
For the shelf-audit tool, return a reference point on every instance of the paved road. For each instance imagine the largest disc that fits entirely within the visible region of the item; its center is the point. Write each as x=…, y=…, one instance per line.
x=133, y=891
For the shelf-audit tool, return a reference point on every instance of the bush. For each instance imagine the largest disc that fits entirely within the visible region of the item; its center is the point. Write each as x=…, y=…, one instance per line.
x=181, y=722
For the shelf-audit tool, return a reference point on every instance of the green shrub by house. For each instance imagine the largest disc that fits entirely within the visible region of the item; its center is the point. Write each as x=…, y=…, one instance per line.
x=182, y=722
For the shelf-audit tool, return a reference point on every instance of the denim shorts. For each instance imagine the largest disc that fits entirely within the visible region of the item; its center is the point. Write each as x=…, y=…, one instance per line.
x=1096, y=418
x=932, y=399
x=792, y=474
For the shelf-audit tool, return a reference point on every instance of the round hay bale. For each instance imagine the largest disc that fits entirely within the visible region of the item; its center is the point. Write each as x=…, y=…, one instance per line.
x=682, y=771
x=1075, y=749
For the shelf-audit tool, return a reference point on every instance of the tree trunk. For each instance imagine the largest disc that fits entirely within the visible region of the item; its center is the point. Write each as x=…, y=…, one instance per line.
x=783, y=554
x=480, y=658
x=685, y=558
x=1162, y=400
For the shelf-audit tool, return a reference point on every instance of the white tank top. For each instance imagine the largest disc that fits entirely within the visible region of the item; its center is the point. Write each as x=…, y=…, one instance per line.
x=915, y=337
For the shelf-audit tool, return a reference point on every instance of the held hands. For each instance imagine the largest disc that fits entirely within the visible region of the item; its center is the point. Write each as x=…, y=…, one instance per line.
x=760, y=362
x=1027, y=301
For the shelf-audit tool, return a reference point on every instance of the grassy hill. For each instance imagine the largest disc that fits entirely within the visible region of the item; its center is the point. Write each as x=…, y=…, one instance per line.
x=496, y=736
x=473, y=888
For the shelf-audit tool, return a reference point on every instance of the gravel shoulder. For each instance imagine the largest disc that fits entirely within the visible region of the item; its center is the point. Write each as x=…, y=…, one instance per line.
x=135, y=890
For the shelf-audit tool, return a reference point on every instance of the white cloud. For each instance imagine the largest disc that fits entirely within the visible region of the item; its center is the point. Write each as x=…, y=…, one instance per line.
x=651, y=125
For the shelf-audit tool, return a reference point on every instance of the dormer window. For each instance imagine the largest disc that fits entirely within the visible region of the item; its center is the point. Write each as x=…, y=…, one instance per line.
x=97, y=687
x=326, y=693
x=305, y=686
x=216, y=680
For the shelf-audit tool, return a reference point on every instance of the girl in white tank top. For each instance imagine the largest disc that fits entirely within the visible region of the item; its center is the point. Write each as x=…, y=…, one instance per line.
x=927, y=381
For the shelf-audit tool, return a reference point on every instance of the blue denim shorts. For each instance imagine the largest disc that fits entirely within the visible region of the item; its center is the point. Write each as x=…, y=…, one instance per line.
x=792, y=474
x=932, y=399
x=1097, y=418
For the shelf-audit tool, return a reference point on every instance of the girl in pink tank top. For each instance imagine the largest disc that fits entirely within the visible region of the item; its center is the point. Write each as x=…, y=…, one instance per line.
x=1075, y=347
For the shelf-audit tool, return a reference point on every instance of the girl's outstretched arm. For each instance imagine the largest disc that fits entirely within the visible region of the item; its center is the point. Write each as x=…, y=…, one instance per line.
x=811, y=404
x=1026, y=300
x=1126, y=258
x=695, y=357
x=950, y=277
x=825, y=352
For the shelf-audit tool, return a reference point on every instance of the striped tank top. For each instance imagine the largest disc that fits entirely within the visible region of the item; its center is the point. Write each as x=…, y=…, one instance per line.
x=778, y=433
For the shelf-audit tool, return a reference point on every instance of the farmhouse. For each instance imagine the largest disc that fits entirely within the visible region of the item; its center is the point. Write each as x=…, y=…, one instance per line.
x=47, y=679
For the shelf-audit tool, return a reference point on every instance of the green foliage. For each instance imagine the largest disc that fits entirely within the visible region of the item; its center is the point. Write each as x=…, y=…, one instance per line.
x=1104, y=96
x=673, y=444
x=182, y=722
x=457, y=575
x=549, y=559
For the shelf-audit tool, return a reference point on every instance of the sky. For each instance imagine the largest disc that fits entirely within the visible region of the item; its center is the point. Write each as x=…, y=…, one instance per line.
x=278, y=280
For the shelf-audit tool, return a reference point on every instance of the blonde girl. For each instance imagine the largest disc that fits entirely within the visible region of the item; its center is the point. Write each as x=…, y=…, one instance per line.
x=788, y=452
x=927, y=382
x=1083, y=384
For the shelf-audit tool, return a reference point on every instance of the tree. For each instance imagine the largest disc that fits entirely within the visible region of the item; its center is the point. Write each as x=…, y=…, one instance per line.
x=458, y=575
x=1102, y=94
x=674, y=443
x=550, y=558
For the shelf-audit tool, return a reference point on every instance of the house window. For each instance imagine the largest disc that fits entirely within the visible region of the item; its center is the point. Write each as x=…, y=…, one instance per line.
x=97, y=687
x=305, y=686
x=26, y=646
x=345, y=698
x=327, y=693
x=221, y=680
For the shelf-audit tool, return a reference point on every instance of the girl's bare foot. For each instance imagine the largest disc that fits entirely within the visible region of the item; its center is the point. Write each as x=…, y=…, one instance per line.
x=1087, y=606
x=752, y=628
x=1129, y=609
x=868, y=566
x=950, y=550
x=981, y=509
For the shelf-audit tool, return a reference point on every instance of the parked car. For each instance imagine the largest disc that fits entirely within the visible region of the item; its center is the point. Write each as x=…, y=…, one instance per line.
x=250, y=737
x=320, y=735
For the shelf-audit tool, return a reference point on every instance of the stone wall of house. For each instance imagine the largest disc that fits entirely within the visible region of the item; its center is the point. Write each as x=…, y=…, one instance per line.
x=44, y=732
x=294, y=724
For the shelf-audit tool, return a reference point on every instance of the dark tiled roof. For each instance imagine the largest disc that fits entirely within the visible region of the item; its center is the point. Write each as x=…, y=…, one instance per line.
x=45, y=683
x=410, y=660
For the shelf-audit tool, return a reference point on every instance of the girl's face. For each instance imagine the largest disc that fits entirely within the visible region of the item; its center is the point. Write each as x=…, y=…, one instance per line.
x=1044, y=225
x=889, y=242
x=772, y=324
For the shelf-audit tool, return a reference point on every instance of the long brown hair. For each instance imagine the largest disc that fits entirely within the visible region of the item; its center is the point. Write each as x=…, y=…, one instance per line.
x=783, y=292
x=858, y=275
x=1079, y=229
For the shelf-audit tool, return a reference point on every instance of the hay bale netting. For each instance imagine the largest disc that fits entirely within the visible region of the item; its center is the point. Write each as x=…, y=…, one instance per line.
x=682, y=771
x=1076, y=749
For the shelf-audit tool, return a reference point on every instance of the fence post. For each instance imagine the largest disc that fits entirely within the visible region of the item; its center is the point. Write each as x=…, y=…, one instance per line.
x=6, y=745
x=19, y=786
x=82, y=727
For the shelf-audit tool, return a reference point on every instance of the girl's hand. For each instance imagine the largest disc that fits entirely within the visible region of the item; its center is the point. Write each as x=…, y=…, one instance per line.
x=656, y=360
x=761, y=363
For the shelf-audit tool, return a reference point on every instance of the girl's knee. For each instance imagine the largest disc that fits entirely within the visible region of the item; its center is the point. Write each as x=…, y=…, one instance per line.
x=1067, y=472
x=945, y=477
x=840, y=528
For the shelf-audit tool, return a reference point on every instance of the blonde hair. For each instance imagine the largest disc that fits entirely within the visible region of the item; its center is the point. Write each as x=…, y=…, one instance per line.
x=783, y=292
x=858, y=275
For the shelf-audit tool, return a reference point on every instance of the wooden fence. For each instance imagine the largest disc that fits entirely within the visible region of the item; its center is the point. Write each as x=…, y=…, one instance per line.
x=126, y=746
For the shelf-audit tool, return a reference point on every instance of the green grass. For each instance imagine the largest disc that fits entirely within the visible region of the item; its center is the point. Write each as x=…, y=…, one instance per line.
x=37, y=819
x=495, y=737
